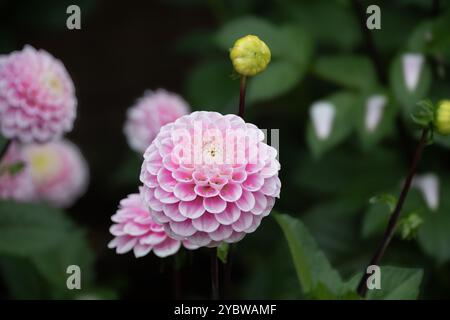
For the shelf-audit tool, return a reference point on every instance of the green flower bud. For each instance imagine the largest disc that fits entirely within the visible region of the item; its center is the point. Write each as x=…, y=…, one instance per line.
x=250, y=55
x=442, y=118
x=409, y=226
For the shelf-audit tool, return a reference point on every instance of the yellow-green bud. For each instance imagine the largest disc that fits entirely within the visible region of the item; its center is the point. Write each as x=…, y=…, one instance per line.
x=250, y=55
x=442, y=118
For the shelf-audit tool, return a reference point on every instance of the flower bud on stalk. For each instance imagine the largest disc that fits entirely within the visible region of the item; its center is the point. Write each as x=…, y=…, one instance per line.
x=250, y=55
x=442, y=118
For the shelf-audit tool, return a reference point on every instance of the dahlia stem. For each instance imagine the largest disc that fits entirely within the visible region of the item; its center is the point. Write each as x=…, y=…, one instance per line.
x=5, y=149
x=227, y=274
x=176, y=283
x=214, y=275
x=243, y=89
x=390, y=230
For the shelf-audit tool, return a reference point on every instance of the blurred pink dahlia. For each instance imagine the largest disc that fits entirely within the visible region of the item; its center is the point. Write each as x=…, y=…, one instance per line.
x=134, y=229
x=58, y=170
x=15, y=180
x=149, y=114
x=37, y=99
x=210, y=178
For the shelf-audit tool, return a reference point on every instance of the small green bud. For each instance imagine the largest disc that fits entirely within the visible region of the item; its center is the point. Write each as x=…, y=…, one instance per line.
x=250, y=55
x=410, y=225
x=442, y=118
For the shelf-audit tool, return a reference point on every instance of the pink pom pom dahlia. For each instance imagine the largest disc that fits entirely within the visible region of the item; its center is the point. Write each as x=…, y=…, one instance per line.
x=15, y=179
x=210, y=178
x=58, y=170
x=37, y=100
x=134, y=229
x=150, y=113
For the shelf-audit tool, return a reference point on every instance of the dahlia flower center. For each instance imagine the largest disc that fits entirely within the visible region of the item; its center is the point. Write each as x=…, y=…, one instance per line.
x=52, y=81
x=43, y=164
x=212, y=153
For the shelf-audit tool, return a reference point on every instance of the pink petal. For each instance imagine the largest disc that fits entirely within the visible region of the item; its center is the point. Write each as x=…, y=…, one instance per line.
x=206, y=191
x=200, y=178
x=159, y=216
x=231, y=192
x=270, y=186
x=182, y=175
x=239, y=176
x=134, y=229
x=164, y=196
x=247, y=201
x=244, y=222
x=185, y=191
x=167, y=248
x=214, y=205
x=254, y=182
x=153, y=238
x=171, y=210
x=169, y=164
x=192, y=209
x=150, y=199
x=229, y=215
x=117, y=230
x=255, y=224
x=125, y=244
x=183, y=229
x=270, y=169
x=206, y=223
x=165, y=180
x=200, y=239
x=222, y=233
x=141, y=250
x=270, y=204
x=218, y=182
x=253, y=168
x=260, y=203
x=235, y=237
x=190, y=246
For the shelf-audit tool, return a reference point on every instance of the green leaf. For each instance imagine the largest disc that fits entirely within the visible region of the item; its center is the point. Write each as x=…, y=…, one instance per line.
x=409, y=225
x=52, y=264
x=296, y=46
x=424, y=114
x=128, y=170
x=22, y=279
x=408, y=99
x=386, y=198
x=279, y=78
x=315, y=274
x=15, y=168
x=321, y=19
x=210, y=86
x=241, y=27
x=350, y=71
x=29, y=228
x=377, y=216
x=434, y=235
x=222, y=252
x=396, y=284
x=421, y=37
x=2, y=142
x=374, y=172
x=343, y=123
x=288, y=42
